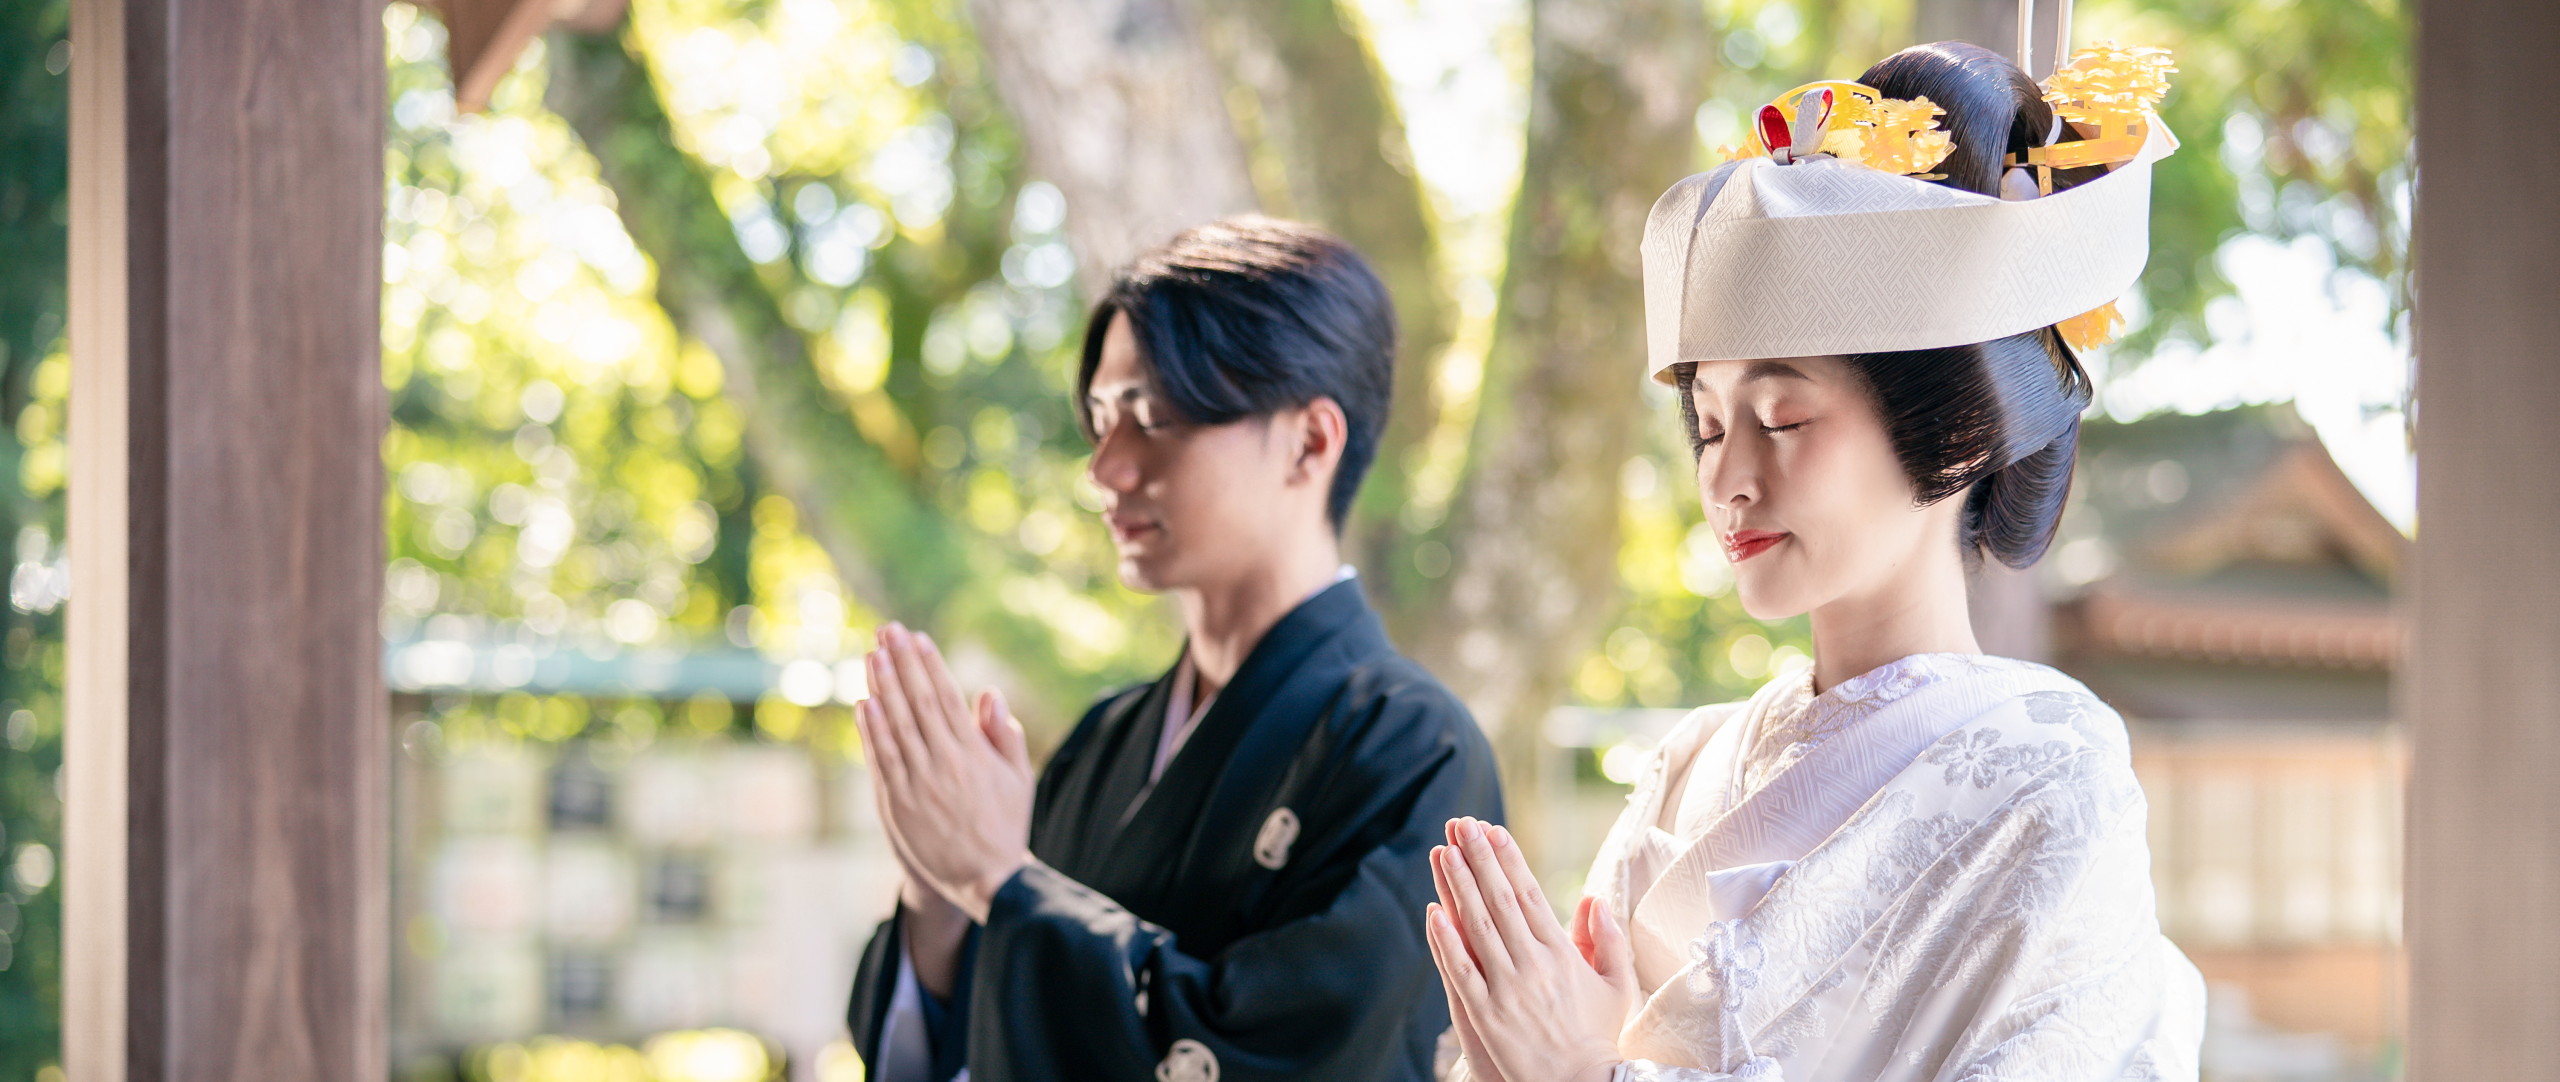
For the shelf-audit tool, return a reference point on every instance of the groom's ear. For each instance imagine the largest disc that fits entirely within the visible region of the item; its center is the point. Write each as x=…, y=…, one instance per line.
x=1318, y=432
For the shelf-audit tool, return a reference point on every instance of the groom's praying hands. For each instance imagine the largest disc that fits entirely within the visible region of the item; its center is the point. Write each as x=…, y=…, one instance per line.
x=953, y=782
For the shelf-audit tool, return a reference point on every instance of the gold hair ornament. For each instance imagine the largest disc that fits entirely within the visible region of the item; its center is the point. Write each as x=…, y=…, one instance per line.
x=2105, y=100
x=1863, y=126
x=2108, y=96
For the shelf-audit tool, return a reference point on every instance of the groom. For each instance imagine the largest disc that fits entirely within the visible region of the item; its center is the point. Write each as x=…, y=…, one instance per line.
x=1217, y=876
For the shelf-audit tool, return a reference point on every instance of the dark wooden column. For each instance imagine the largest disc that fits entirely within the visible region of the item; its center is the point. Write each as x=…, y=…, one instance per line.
x=2483, y=690
x=1993, y=24
x=227, y=907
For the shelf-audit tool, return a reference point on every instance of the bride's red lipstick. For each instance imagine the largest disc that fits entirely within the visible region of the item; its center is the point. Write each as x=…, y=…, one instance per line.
x=1745, y=544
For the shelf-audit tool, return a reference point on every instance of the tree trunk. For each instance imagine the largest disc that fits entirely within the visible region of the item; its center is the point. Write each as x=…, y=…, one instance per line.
x=889, y=544
x=1535, y=532
x=806, y=443
x=1329, y=148
x=1154, y=115
x=1121, y=107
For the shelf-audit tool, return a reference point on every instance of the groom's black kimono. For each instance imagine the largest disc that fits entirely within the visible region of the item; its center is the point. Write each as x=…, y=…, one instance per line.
x=1257, y=913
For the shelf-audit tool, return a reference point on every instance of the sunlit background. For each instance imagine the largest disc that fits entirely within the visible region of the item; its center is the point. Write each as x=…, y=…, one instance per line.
x=633, y=839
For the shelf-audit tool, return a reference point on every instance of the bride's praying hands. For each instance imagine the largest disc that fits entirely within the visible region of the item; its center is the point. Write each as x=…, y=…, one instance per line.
x=1530, y=1000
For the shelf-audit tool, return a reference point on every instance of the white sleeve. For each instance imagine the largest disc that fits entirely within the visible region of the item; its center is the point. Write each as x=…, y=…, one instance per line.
x=1757, y=1069
x=1760, y=1069
x=906, y=1048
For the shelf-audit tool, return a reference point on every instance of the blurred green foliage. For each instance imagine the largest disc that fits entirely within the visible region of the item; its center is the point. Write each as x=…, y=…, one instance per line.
x=567, y=469
x=34, y=376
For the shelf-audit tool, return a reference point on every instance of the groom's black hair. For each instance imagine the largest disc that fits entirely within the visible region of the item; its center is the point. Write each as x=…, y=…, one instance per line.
x=1249, y=315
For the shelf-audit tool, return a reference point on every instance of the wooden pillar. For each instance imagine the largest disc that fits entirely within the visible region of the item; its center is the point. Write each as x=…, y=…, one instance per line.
x=1993, y=24
x=226, y=914
x=2483, y=690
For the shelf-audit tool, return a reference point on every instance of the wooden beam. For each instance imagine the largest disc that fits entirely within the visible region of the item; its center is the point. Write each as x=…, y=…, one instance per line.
x=484, y=38
x=2482, y=692
x=227, y=908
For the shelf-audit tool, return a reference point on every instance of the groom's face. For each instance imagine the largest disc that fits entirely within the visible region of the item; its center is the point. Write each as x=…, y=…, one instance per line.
x=1189, y=505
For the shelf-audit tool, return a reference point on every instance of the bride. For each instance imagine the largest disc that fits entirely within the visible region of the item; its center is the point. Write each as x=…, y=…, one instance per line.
x=1911, y=861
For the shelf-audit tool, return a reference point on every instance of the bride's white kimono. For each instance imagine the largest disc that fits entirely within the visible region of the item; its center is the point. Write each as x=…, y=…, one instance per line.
x=1934, y=872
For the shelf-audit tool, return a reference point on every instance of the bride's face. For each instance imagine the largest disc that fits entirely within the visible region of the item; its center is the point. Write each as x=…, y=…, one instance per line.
x=1801, y=484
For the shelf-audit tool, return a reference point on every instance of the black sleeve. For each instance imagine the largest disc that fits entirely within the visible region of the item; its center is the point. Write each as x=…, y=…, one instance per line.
x=876, y=982
x=1336, y=987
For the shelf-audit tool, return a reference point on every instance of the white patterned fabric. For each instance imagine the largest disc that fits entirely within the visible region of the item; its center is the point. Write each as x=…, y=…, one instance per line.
x=1826, y=257
x=1934, y=872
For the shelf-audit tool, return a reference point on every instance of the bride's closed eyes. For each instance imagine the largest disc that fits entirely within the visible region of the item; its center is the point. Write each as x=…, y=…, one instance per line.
x=1716, y=435
x=1783, y=418
x=1775, y=395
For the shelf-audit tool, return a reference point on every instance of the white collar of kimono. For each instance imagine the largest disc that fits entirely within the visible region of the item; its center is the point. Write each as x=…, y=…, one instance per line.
x=1186, y=679
x=1846, y=744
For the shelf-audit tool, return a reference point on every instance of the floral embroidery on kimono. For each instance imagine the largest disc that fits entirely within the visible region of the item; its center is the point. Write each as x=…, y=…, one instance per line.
x=1935, y=872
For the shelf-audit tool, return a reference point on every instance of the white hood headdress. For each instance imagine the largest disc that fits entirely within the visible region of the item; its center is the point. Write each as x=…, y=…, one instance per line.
x=1825, y=236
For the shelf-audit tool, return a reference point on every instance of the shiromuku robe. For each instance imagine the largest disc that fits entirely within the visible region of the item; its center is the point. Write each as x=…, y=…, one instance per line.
x=1935, y=872
x=1253, y=913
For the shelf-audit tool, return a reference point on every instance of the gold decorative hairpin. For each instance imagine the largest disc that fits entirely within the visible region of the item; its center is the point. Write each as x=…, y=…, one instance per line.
x=2106, y=96
x=2106, y=99
x=1853, y=122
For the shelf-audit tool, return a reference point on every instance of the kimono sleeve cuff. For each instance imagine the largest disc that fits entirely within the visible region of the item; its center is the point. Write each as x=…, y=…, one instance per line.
x=1038, y=890
x=1756, y=1069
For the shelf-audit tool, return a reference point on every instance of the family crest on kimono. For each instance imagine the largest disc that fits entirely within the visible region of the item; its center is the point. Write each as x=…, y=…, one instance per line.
x=1908, y=861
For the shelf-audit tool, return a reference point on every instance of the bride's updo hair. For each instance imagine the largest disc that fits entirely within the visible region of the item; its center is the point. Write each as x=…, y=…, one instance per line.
x=1998, y=421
